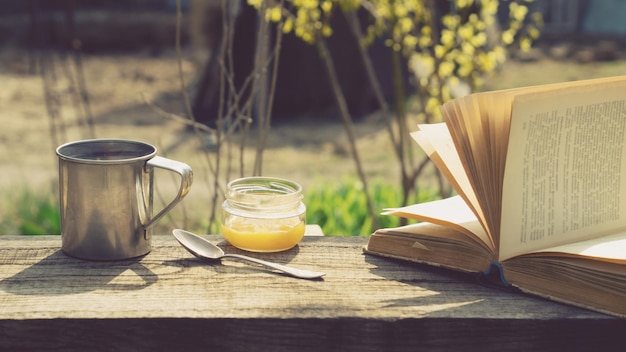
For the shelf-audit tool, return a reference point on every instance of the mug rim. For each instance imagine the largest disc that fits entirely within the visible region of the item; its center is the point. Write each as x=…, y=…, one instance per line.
x=149, y=152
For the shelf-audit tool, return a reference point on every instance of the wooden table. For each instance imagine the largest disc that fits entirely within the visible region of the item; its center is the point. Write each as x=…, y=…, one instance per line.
x=171, y=301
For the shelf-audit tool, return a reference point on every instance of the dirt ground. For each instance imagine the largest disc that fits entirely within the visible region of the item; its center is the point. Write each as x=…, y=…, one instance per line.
x=303, y=150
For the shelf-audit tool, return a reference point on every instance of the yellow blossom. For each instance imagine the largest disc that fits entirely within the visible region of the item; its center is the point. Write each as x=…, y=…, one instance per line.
x=533, y=32
x=424, y=41
x=409, y=41
x=479, y=39
x=517, y=11
x=447, y=37
x=445, y=69
x=508, y=37
x=467, y=48
x=406, y=24
x=273, y=14
x=463, y=3
x=451, y=21
x=440, y=51
x=288, y=25
x=489, y=8
x=525, y=44
x=432, y=104
x=465, y=70
x=466, y=32
x=327, y=6
x=326, y=30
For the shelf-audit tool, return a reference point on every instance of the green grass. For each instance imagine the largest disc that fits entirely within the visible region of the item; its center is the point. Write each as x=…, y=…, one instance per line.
x=30, y=212
x=341, y=208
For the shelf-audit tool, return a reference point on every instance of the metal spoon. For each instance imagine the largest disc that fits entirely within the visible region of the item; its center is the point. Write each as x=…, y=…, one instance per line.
x=204, y=249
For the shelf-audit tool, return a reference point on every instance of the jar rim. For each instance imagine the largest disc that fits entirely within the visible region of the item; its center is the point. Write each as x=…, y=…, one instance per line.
x=262, y=186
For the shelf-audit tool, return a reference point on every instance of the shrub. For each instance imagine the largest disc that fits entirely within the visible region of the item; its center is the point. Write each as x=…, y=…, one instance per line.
x=340, y=208
x=28, y=212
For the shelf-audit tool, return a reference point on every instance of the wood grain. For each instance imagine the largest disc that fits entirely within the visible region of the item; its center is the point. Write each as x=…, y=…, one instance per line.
x=169, y=300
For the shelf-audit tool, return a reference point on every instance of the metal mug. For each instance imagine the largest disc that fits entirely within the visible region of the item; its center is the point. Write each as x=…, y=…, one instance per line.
x=106, y=192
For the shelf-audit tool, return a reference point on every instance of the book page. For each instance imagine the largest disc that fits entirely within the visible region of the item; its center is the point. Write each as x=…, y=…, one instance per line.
x=452, y=212
x=609, y=248
x=436, y=142
x=565, y=170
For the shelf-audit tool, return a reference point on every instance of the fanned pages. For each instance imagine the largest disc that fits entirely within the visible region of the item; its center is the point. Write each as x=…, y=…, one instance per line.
x=452, y=212
x=540, y=174
x=436, y=141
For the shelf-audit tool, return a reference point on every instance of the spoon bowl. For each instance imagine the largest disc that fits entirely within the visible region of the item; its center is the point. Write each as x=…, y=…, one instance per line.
x=204, y=249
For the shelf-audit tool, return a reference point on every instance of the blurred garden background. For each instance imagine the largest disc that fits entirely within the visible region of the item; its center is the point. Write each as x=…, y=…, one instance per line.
x=321, y=92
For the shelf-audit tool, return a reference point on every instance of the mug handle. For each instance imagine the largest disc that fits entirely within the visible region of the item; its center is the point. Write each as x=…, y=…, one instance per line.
x=185, y=183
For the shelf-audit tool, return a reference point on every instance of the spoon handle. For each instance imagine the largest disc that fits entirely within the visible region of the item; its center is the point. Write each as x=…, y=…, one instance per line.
x=299, y=273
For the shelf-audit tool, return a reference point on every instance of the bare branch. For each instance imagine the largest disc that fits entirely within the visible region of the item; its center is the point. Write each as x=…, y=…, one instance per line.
x=175, y=117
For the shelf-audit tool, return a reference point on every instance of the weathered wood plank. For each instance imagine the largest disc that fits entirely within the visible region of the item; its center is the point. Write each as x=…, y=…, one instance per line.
x=363, y=303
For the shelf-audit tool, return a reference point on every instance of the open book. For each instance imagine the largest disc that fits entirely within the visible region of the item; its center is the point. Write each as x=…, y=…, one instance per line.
x=540, y=174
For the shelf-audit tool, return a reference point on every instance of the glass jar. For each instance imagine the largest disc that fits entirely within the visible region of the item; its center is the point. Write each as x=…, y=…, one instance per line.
x=263, y=214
